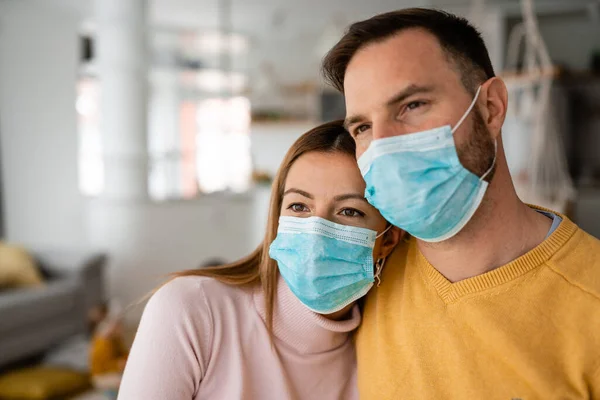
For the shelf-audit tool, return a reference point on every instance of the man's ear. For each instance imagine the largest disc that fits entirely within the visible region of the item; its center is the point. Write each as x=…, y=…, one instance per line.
x=494, y=104
x=390, y=239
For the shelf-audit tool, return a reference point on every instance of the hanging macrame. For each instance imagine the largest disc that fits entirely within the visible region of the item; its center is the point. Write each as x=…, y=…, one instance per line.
x=532, y=133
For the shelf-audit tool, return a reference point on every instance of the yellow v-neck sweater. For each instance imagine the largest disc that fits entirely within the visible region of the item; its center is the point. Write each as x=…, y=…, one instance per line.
x=527, y=330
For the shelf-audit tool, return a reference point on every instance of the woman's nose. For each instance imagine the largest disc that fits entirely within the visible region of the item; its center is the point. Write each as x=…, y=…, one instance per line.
x=323, y=212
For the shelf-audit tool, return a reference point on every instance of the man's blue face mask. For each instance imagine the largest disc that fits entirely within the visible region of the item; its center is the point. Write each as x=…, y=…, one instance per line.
x=326, y=265
x=418, y=184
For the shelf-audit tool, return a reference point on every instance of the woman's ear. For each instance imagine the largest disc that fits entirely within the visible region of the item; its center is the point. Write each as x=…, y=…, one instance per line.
x=389, y=241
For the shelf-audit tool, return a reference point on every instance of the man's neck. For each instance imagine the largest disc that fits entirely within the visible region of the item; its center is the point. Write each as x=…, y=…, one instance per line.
x=502, y=230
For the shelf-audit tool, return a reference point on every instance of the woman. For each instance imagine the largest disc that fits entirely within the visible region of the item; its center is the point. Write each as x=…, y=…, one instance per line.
x=277, y=324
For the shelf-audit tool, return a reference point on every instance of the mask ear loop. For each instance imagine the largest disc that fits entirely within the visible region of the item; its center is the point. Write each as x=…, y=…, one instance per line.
x=380, y=262
x=383, y=233
x=462, y=119
x=493, y=162
x=466, y=114
x=378, y=268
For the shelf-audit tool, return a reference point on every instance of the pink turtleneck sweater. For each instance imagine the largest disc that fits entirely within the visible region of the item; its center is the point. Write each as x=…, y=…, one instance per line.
x=202, y=339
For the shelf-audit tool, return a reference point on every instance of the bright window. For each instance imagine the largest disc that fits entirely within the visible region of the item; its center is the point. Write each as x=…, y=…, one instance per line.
x=91, y=165
x=193, y=146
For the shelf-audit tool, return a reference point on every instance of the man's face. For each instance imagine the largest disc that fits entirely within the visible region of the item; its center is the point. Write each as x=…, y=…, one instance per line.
x=407, y=84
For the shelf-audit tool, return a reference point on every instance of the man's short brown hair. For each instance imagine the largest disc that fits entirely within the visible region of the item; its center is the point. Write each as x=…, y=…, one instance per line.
x=461, y=42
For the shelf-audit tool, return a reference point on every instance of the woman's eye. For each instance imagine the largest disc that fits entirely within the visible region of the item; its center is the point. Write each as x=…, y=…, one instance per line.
x=351, y=212
x=297, y=207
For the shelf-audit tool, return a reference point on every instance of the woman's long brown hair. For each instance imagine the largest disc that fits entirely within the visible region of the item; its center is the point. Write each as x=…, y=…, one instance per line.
x=258, y=267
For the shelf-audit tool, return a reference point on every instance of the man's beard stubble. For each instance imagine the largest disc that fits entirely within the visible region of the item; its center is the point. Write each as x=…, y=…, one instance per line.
x=478, y=151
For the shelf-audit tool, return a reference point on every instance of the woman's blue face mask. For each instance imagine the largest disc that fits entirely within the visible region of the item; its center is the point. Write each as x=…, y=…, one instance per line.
x=326, y=265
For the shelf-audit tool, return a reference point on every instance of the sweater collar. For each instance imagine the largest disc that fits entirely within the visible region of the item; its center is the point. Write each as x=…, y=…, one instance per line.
x=304, y=330
x=450, y=292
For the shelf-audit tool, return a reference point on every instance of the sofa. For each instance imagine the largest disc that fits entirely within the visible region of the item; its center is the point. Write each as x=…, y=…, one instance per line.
x=35, y=319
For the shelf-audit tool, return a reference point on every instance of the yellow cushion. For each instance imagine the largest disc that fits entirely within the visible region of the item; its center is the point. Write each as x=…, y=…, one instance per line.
x=42, y=383
x=17, y=268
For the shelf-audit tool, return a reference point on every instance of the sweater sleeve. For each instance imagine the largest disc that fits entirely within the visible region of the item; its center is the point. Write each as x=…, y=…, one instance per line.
x=172, y=346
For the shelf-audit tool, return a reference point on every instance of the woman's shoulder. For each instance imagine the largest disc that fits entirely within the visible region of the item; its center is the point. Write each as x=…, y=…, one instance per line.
x=176, y=334
x=196, y=296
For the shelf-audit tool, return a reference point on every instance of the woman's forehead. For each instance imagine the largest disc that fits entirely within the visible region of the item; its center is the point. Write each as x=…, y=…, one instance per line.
x=325, y=172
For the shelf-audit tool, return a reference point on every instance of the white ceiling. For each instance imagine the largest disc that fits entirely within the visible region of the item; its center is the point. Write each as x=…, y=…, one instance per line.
x=285, y=34
x=256, y=16
x=288, y=33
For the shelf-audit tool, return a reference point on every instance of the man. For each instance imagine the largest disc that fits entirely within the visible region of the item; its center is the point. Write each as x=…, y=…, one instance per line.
x=491, y=298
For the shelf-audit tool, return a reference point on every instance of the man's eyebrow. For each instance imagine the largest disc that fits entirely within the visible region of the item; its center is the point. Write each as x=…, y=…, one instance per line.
x=399, y=97
x=405, y=93
x=353, y=120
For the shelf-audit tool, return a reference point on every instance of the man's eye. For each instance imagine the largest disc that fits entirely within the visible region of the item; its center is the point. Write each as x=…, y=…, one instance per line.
x=414, y=104
x=360, y=129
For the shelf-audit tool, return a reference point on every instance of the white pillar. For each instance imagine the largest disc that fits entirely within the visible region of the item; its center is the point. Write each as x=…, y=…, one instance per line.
x=122, y=68
x=164, y=133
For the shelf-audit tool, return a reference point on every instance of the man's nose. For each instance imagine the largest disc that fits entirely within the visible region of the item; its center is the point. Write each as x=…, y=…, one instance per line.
x=384, y=130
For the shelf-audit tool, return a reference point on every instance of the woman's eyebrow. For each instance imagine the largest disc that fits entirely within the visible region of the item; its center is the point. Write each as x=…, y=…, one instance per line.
x=348, y=196
x=300, y=192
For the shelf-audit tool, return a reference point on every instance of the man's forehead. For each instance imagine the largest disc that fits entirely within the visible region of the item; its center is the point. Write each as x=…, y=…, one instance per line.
x=412, y=57
x=410, y=51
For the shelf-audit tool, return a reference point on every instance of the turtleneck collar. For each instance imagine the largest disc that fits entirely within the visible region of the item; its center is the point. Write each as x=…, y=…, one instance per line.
x=301, y=328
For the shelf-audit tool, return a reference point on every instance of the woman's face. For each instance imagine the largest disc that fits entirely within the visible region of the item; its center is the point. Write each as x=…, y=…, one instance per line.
x=330, y=186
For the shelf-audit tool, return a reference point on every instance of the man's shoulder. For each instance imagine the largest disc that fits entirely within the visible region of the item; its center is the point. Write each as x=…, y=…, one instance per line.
x=578, y=263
